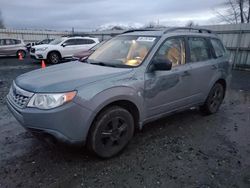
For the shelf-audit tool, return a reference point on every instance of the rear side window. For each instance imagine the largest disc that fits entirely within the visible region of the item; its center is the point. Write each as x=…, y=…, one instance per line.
x=218, y=47
x=9, y=42
x=85, y=41
x=80, y=42
x=199, y=49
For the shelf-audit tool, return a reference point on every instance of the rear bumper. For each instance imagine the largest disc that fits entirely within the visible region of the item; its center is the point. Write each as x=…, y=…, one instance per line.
x=68, y=123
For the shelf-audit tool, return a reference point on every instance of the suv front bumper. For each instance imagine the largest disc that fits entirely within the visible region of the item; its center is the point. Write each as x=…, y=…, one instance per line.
x=68, y=123
x=37, y=56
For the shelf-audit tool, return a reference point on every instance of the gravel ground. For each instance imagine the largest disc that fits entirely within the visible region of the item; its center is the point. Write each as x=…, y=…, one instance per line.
x=182, y=150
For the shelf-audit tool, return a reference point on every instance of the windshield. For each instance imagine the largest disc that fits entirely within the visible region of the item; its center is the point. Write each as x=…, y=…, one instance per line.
x=56, y=41
x=97, y=45
x=123, y=51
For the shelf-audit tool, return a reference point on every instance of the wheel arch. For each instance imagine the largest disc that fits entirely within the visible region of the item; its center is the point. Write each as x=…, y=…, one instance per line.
x=222, y=82
x=123, y=103
x=55, y=51
x=19, y=51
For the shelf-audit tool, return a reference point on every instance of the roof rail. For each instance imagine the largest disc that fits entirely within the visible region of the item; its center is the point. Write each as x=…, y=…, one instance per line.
x=134, y=30
x=76, y=35
x=200, y=30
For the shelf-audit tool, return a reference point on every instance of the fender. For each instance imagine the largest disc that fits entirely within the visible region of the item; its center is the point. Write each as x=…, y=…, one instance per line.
x=110, y=95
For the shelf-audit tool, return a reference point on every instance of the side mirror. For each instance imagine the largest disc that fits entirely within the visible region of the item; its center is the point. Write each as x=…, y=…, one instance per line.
x=64, y=44
x=161, y=64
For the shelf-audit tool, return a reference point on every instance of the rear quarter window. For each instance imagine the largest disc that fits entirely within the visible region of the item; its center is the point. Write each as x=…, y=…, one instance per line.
x=218, y=47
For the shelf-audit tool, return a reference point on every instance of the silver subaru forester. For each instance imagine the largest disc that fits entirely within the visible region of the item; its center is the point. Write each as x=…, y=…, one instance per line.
x=134, y=78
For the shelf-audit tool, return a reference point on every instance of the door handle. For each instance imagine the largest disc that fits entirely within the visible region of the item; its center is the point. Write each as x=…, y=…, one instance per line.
x=214, y=67
x=185, y=73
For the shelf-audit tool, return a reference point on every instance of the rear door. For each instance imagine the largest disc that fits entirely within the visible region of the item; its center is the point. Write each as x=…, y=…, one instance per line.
x=10, y=47
x=203, y=67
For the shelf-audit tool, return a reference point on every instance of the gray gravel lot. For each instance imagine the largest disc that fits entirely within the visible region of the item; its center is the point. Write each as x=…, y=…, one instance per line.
x=182, y=150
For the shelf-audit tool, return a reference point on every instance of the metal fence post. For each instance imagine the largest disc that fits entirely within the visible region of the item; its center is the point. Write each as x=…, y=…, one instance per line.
x=238, y=48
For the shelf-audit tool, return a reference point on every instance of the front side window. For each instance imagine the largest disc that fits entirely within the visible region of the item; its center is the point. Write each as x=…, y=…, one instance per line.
x=17, y=41
x=172, y=50
x=56, y=41
x=123, y=51
x=218, y=48
x=199, y=50
x=70, y=42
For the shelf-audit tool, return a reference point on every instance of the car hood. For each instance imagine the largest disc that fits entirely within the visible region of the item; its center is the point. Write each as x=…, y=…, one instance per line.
x=42, y=46
x=84, y=53
x=66, y=77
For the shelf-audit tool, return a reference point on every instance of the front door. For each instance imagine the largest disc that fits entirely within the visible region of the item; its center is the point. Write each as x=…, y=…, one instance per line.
x=69, y=48
x=167, y=91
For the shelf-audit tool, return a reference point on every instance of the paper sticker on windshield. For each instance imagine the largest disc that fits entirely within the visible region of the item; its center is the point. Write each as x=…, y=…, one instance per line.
x=146, y=39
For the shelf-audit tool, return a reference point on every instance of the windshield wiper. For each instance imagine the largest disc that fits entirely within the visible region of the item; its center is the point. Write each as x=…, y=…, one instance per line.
x=103, y=64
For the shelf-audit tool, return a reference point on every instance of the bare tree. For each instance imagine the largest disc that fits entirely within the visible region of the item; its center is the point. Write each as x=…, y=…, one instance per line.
x=191, y=24
x=1, y=21
x=234, y=11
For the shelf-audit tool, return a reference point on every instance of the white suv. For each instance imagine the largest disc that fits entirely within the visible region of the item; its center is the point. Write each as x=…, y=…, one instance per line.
x=62, y=48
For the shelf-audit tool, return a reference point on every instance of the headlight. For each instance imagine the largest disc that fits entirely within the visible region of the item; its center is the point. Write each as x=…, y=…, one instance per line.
x=42, y=49
x=49, y=101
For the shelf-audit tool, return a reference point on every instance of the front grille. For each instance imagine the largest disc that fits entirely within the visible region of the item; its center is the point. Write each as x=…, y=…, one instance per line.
x=33, y=50
x=19, y=96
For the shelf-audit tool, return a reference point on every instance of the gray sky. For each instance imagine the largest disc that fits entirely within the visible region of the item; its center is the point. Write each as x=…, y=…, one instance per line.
x=92, y=14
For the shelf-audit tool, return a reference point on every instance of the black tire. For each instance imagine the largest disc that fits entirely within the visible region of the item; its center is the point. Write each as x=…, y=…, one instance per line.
x=22, y=52
x=54, y=57
x=214, y=99
x=111, y=132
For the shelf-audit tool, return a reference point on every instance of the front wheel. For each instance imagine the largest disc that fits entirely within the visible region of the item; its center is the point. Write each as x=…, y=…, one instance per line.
x=54, y=57
x=214, y=99
x=111, y=132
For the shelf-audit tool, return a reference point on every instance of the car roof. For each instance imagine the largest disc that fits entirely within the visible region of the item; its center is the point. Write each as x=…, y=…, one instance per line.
x=175, y=31
x=79, y=37
x=10, y=38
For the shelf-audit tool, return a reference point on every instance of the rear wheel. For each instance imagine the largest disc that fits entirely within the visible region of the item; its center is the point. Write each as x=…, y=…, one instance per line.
x=21, y=52
x=54, y=57
x=214, y=99
x=111, y=132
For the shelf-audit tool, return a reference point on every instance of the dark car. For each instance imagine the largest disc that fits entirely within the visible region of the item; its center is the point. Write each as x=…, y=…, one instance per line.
x=83, y=55
x=45, y=41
